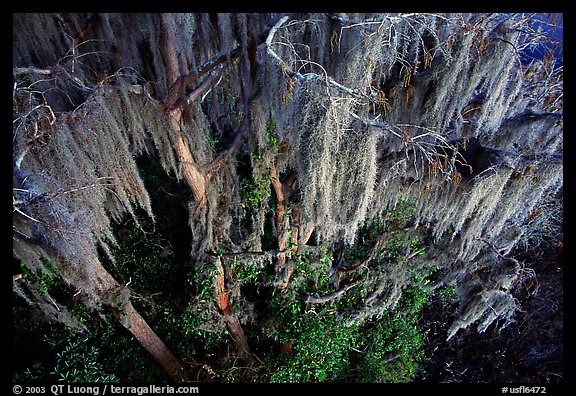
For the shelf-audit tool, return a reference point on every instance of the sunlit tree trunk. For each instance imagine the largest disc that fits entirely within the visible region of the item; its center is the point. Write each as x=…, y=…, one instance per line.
x=195, y=179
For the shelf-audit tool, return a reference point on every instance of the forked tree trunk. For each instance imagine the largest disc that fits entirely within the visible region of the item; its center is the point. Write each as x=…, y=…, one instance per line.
x=195, y=179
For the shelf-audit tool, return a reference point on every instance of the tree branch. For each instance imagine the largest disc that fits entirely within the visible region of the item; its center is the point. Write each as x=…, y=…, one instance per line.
x=309, y=76
x=331, y=296
x=221, y=60
x=262, y=253
x=207, y=83
x=32, y=70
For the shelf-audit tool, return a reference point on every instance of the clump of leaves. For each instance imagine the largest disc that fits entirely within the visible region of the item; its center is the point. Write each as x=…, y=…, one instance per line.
x=76, y=358
x=393, y=346
x=319, y=343
x=79, y=362
x=254, y=193
x=271, y=132
x=402, y=215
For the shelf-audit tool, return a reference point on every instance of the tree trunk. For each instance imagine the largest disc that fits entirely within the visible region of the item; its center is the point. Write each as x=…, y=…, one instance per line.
x=191, y=172
x=192, y=175
x=283, y=268
x=133, y=321
x=232, y=322
x=117, y=296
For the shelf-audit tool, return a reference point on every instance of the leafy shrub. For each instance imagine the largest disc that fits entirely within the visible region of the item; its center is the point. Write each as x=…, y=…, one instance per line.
x=73, y=358
x=393, y=346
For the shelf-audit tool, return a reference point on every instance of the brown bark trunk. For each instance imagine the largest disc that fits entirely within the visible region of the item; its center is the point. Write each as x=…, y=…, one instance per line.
x=117, y=296
x=232, y=322
x=280, y=207
x=133, y=321
x=193, y=177
x=283, y=268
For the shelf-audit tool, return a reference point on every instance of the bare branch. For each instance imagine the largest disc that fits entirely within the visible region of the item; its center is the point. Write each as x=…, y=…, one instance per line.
x=32, y=70
x=27, y=216
x=309, y=76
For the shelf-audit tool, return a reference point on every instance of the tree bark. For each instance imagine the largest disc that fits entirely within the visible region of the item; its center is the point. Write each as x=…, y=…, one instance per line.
x=195, y=179
x=192, y=175
x=117, y=297
x=232, y=323
x=283, y=268
x=135, y=324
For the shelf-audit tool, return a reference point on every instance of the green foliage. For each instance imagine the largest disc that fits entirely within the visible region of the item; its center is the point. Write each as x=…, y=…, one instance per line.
x=254, y=194
x=392, y=352
x=446, y=294
x=271, y=132
x=198, y=326
x=248, y=272
x=78, y=362
x=48, y=282
x=313, y=271
x=73, y=358
x=402, y=215
x=393, y=346
x=387, y=349
x=393, y=249
x=198, y=322
x=319, y=343
x=33, y=373
x=121, y=353
x=255, y=156
x=321, y=348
